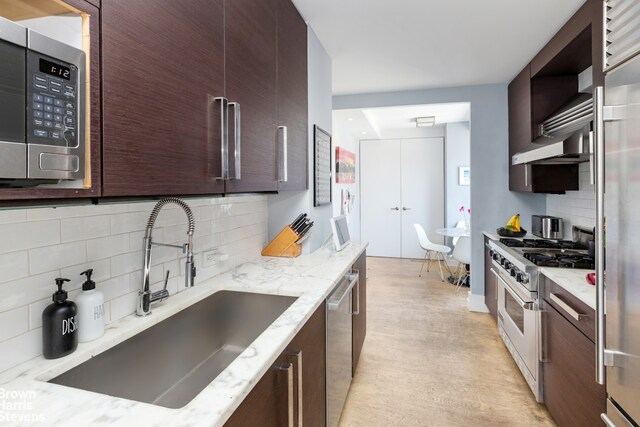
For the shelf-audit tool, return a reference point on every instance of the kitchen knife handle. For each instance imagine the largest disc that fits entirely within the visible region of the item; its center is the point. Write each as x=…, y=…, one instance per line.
x=237, y=124
x=224, y=137
x=288, y=367
x=598, y=124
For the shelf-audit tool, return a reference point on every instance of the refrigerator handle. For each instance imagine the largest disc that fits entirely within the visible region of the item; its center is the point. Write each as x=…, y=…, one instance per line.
x=598, y=123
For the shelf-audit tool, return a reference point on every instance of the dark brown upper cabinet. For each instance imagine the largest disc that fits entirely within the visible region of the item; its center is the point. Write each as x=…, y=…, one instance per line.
x=292, y=99
x=544, y=86
x=20, y=10
x=162, y=67
x=251, y=67
x=166, y=71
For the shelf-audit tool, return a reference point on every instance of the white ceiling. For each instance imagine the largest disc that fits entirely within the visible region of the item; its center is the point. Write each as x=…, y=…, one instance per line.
x=374, y=123
x=393, y=45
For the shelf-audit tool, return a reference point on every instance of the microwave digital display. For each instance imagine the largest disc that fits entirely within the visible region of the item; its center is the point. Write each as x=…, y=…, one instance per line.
x=54, y=69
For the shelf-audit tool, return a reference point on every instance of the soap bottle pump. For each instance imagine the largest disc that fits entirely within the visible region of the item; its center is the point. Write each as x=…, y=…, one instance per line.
x=90, y=310
x=59, y=325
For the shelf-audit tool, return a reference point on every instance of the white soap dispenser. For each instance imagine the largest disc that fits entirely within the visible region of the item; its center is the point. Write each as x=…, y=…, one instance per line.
x=90, y=304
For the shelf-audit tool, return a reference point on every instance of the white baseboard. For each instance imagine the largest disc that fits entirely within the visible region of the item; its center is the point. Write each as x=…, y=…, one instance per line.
x=476, y=303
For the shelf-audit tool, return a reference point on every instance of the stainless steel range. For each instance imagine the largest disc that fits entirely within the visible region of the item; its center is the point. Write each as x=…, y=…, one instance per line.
x=515, y=263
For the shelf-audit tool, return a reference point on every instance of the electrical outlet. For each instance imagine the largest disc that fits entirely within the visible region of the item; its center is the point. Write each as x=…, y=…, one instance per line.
x=209, y=258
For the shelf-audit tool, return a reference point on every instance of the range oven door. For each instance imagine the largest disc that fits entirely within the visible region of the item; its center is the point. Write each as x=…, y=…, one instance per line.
x=518, y=323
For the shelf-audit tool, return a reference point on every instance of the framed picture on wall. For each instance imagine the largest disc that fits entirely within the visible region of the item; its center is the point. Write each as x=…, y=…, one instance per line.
x=464, y=175
x=345, y=166
x=321, y=167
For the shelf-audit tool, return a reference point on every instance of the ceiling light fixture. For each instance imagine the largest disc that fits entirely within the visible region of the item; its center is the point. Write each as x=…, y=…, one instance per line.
x=350, y=119
x=364, y=132
x=425, y=121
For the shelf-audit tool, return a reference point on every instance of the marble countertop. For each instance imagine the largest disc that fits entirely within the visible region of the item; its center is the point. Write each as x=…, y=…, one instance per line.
x=573, y=281
x=309, y=277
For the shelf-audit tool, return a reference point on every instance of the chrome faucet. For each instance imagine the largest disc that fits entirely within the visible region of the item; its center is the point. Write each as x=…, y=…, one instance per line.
x=145, y=296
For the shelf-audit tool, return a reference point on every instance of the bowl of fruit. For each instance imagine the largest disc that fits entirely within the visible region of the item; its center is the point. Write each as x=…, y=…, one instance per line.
x=512, y=228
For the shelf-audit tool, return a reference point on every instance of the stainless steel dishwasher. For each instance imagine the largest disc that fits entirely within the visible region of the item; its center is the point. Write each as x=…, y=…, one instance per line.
x=339, y=345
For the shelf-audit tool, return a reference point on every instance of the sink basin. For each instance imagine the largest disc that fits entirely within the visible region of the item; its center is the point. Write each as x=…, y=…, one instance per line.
x=172, y=361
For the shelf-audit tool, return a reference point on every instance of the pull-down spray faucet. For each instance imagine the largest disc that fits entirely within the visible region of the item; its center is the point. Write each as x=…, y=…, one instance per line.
x=145, y=296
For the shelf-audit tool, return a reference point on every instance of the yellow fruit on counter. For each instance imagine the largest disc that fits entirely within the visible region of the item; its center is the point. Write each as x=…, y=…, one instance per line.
x=513, y=224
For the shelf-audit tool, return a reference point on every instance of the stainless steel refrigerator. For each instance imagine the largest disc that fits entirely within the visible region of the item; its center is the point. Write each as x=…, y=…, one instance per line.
x=617, y=127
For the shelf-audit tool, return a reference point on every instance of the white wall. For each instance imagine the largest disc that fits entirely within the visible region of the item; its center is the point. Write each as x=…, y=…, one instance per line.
x=575, y=207
x=491, y=199
x=285, y=206
x=40, y=244
x=457, y=153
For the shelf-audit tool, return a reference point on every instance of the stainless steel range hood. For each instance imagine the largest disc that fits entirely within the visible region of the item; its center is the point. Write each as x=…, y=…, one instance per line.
x=566, y=135
x=574, y=148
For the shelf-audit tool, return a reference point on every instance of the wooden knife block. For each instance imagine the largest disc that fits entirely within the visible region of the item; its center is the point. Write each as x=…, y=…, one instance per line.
x=284, y=244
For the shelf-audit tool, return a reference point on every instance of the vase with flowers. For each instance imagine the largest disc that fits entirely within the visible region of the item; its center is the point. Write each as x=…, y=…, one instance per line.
x=466, y=217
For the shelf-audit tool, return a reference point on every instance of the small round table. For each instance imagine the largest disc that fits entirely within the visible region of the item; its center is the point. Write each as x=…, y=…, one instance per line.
x=454, y=232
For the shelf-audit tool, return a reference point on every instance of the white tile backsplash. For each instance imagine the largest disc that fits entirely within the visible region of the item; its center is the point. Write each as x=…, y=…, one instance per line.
x=40, y=244
x=14, y=322
x=575, y=207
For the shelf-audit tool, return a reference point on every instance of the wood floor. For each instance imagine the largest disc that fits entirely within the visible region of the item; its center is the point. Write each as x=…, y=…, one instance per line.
x=428, y=361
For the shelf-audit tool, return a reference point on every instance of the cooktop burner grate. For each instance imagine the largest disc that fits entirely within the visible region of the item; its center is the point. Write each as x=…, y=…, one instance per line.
x=539, y=243
x=561, y=260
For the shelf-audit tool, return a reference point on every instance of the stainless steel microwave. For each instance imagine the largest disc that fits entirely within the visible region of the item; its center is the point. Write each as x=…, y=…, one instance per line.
x=42, y=108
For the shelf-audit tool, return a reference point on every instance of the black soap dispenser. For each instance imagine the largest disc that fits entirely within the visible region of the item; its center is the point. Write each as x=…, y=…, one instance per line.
x=59, y=325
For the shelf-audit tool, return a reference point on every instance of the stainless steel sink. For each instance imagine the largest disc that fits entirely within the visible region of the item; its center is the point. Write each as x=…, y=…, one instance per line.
x=171, y=362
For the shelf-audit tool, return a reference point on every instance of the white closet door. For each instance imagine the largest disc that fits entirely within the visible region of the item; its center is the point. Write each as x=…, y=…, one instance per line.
x=380, y=188
x=422, y=174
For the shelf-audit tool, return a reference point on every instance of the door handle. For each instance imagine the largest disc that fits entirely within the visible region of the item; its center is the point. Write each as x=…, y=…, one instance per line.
x=298, y=355
x=570, y=311
x=237, y=123
x=224, y=137
x=283, y=146
x=288, y=367
x=598, y=123
x=406, y=209
x=395, y=209
x=356, y=272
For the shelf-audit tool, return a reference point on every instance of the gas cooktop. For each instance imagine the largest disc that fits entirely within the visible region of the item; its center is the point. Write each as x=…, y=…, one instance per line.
x=559, y=258
x=539, y=243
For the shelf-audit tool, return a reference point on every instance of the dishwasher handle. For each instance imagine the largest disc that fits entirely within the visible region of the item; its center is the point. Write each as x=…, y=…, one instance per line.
x=338, y=296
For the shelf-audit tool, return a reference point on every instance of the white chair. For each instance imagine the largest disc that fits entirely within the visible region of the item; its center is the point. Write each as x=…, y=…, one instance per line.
x=435, y=252
x=460, y=224
x=462, y=254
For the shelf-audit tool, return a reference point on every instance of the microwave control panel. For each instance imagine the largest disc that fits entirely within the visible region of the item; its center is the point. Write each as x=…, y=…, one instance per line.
x=52, y=101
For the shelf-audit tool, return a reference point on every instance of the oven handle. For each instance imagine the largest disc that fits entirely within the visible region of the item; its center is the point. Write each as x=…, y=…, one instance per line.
x=520, y=301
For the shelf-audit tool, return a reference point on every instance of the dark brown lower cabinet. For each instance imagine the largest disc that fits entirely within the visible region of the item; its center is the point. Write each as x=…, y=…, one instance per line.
x=267, y=405
x=490, y=284
x=359, y=321
x=570, y=392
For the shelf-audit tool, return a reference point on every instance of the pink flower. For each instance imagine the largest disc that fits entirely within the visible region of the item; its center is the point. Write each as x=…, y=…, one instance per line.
x=461, y=209
x=469, y=210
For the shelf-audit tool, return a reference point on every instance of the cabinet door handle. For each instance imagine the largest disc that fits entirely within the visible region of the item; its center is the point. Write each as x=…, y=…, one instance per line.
x=570, y=311
x=598, y=129
x=356, y=272
x=288, y=367
x=298, y=355
x=395, y=209
x=224, y=137
x=406, y=209
x=283, y=165
x=237, y=124
x=526, y=175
